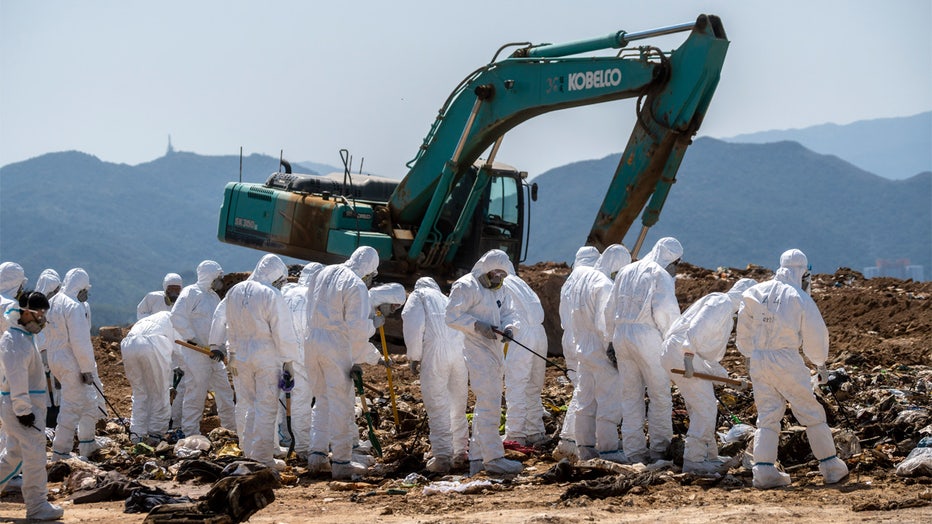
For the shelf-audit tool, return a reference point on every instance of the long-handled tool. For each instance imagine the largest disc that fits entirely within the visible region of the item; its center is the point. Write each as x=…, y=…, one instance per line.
x=388, y=370
x=373, y=438
x=206, y=351
x=714, y=378
x=286, y=384
x=115, y=412
x=547, y=360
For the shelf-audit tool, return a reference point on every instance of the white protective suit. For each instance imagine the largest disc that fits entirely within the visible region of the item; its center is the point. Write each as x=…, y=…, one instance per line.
x=776, y=319
x=157, y=301
x=600, y=387
x=302, y=397
x=12, y=280
x=262, y=339
x=703, y=330
x=338, y=336
x=22, y=393
x=641, y=309
x=147, y=357
x=48, y=284
x=444, y=379
x=192, y=315
x=586, y=257
x=71, y=353
x=524, y=372
x=471, y=302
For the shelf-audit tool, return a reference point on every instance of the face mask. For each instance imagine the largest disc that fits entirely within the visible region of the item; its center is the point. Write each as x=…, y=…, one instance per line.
x=279, y=283
x=53, y=293
x=493, y=279
x=170, y=298
x=672, y=266
x=807, y=282
x=82, y=295
x=217, y=284
x=34, y=326
x=369, y=279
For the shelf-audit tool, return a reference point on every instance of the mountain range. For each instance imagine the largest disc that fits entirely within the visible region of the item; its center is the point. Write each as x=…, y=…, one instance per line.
x=733, y=204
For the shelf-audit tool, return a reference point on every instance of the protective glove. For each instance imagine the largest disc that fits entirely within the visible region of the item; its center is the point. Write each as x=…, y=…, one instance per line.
x=354, y=370
x=414, y=365
x=177, y=373
x=57, y=384
x=823, y=374
x=610, y=353
x=378, y=321
x=27, y=420
x=385, y=363
x=484, y=329
x=286, y=382
x=507, y=333
x=217, y=354
x=386, y=309
x=87, y=379
x=688, y=365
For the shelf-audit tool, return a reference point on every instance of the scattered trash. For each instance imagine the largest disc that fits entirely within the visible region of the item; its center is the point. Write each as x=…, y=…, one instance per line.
x=446, y=486
x=918, y=462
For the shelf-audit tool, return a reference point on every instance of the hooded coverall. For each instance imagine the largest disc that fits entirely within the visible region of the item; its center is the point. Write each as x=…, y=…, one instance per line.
x=147, y=356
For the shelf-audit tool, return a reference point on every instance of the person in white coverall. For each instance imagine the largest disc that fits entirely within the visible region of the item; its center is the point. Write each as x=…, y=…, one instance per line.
x=263, y=345
x=586, y=257
x=338, y=336
x=600, y=384
x=12, y=281
x=302, y=397
x=160, y=300
x=163, y=301
x=435, y=351
x=478, y=306
x=22, y=405
x=641, y=309
x=777, y=318
x=192, y=315
x=696, y=343
x=71, y=359
x=147, y=357
x=524, y=372
x=49, y=283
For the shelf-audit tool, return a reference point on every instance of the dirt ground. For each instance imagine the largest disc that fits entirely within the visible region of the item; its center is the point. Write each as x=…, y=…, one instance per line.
x=881, y=333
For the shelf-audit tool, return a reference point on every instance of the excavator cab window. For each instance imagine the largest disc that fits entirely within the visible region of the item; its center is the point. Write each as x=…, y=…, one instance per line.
x=500, y=220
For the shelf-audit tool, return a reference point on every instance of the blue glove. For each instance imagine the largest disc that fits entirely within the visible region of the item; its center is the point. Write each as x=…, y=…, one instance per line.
x=286, y=382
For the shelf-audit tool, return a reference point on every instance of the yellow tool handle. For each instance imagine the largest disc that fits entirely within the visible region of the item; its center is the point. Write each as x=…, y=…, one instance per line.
x=388, y=370
x=706, y=376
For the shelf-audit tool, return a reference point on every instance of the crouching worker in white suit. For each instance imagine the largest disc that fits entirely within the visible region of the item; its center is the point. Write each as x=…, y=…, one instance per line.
x=437, y=351
x=22, y=405
x=776, y=319
x=147, y=357
x=696, y=343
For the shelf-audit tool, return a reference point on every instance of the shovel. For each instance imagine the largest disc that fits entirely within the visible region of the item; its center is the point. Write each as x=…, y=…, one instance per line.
x=388, y=370
x=51, y=414
x=357, y=380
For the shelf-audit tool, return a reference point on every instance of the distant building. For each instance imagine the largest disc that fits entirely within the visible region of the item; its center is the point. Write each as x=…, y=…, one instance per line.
x=896, y=268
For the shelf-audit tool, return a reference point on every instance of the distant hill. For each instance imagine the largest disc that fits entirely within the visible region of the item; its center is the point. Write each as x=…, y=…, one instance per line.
x=895, y=148
x=126, y=225
x=735, y=204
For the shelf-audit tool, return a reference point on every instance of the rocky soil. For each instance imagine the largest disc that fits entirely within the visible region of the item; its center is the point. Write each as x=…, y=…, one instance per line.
x=881, y=334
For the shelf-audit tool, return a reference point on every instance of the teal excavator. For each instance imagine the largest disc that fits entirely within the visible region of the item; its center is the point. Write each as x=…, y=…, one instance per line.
x=452, y=206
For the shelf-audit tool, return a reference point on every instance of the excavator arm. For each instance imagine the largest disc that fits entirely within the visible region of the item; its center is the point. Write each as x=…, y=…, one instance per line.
x=674, y=91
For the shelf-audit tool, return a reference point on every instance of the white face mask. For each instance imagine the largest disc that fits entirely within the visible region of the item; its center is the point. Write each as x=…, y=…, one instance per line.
x=217, y=284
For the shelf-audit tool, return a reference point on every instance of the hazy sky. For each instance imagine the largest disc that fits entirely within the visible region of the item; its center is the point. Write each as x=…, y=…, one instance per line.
x=115, y=78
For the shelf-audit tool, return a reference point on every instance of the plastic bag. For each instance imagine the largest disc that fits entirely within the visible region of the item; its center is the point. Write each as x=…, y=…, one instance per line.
x=919, y=461
x=191, y=447
x=738, y=432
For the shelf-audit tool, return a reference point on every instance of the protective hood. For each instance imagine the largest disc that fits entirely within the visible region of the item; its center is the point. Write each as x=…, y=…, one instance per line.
x=11, y=277
x=666, y=250
x=171, y=279
x=734, y=294
x=207, y=271
x=494, y=259
x=586, y=256
x=308, y=272
x=796, y=262
x=785, y=275
x=615, y=257
x=75, y=280
x=363, y=261
x=393, y=293
x=48, y=281
x=424, y=283
x=269, y=269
